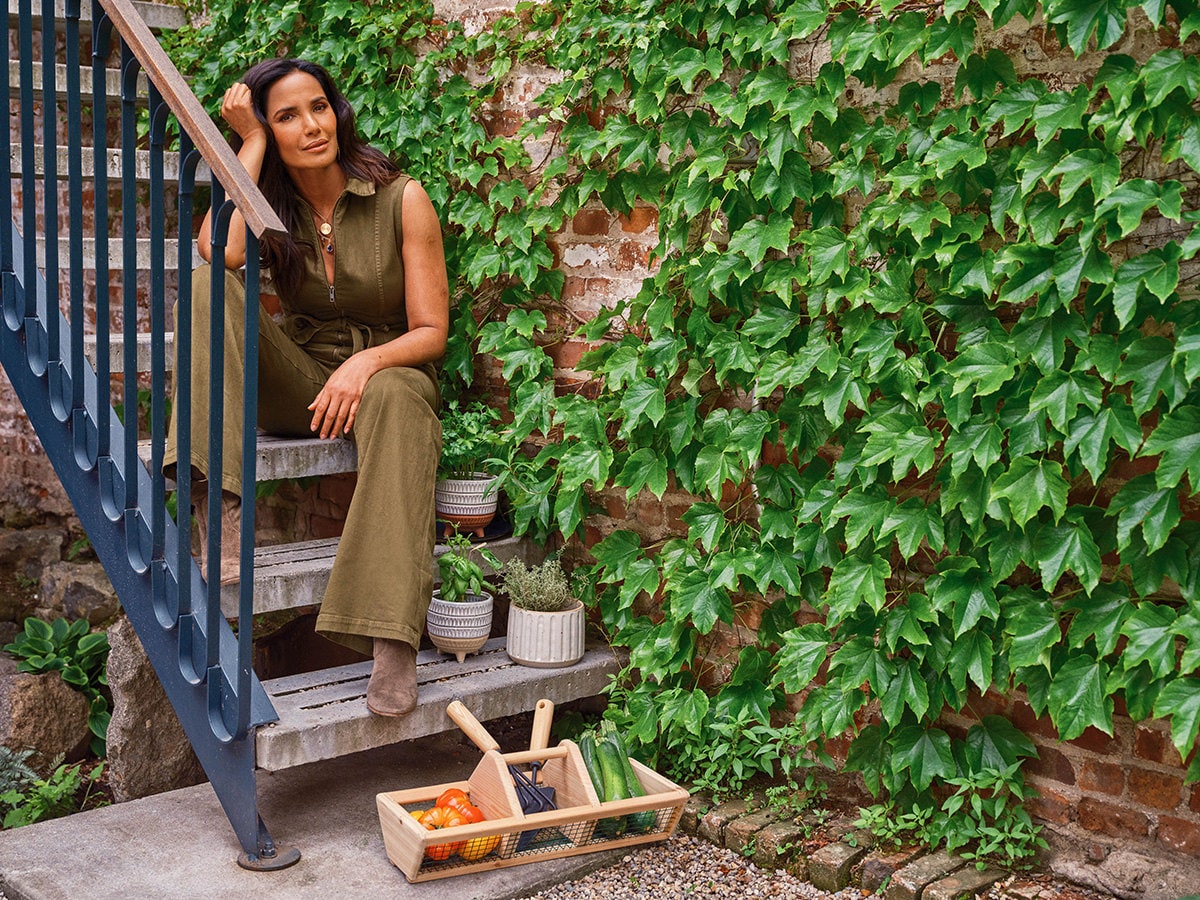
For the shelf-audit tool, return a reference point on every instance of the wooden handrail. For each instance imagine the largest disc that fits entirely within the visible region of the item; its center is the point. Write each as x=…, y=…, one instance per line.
x=259, y=216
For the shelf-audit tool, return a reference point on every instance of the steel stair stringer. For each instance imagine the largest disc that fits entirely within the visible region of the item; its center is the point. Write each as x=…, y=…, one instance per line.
x=175, y=643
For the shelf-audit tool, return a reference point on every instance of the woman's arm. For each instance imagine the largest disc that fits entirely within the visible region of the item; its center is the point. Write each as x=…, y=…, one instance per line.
x=238, y=111
x=427, y=302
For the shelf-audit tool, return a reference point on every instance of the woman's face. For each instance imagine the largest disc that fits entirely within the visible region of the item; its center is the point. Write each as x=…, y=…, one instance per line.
x=302, y=121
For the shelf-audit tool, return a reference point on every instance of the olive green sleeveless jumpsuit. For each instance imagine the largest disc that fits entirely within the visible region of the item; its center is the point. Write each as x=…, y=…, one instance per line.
x=382, y=579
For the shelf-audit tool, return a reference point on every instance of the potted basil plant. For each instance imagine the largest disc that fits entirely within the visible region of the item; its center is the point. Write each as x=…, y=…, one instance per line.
x=459, y=619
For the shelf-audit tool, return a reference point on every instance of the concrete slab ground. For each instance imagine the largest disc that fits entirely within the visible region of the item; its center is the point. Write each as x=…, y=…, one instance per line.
x=180, y=845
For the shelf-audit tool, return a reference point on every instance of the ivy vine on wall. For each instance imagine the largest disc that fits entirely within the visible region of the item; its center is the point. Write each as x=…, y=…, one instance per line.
x=921, y=341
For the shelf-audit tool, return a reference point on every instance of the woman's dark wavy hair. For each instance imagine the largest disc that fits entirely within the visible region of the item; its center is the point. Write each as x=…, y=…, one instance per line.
x=358, y=158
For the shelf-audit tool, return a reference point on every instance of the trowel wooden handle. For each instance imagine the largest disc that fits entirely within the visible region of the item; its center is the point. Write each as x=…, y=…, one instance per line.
x=543, y=714
x=471, y=726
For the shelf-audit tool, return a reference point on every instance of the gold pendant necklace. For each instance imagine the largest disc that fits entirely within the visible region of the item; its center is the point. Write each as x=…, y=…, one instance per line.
x=325, y=228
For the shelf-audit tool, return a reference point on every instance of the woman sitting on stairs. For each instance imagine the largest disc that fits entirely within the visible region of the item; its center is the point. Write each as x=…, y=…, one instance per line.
x=361, y=278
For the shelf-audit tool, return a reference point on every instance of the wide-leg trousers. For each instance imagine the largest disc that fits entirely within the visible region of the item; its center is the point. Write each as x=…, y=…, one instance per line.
x=382, y=577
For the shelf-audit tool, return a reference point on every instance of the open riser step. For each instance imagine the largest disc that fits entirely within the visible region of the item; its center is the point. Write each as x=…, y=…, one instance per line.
x=324, y=714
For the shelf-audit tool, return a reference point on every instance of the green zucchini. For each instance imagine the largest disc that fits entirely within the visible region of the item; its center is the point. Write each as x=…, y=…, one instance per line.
x=615, y=786
x=587, y=749
x=640, y=821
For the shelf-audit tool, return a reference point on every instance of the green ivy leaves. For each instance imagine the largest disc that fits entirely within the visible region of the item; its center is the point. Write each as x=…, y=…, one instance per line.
x=924, y=362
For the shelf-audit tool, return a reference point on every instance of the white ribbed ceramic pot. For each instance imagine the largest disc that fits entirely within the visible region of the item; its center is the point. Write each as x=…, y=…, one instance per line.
x=459, y=628
x=546, y=640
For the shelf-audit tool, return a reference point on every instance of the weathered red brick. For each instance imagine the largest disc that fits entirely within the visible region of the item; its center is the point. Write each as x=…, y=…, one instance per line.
x=1180, y=835
x=1097, y=741
x=574, y=286
x=1156, y=789
x=649, y=509
x=641, y=218
x=592, y=221
x=1052, y=764
x=1153, y=744
x=630, y=255
x=1023, y=717
x=566, y=354
x=1113, y=820
x=1050, y=806
x=1101, y=777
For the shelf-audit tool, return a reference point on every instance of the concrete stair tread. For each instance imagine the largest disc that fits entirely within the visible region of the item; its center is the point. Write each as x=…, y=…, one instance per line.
x=113, y=166
x=112, y=81
x=288, y=576
x=324, y=715
x=116, y=354
x=159, y=16
x=280, y=457
x=116, y=253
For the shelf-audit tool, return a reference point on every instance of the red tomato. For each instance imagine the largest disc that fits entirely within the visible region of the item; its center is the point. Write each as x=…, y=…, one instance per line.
x=452, y=794
x=442, y=817
x=468, y=811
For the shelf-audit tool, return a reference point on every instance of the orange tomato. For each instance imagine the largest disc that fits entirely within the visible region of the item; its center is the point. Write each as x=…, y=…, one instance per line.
x=442, y=817
x=452, y=794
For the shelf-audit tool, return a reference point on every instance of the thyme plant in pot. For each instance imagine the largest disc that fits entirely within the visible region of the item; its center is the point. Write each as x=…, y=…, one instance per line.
x=459, y=619
x=545, y=618
x=466, y=493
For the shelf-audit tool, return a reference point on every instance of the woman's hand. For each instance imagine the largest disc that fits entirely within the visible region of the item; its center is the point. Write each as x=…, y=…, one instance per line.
x=336, y=406
x=238, y=110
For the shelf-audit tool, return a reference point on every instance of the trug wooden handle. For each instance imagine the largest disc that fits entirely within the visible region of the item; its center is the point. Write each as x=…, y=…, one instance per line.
x=471, y=726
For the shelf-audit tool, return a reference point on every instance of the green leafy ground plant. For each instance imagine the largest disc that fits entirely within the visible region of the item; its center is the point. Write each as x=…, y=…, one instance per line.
x=921, y=344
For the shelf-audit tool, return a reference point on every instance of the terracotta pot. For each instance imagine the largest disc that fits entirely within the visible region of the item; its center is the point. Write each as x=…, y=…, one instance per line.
x=546, y=640
x=468, y=504
x=459, y=628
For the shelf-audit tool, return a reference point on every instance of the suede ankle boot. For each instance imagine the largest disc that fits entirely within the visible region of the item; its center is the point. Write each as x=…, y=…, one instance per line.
x=231, y=528
x=392, y=690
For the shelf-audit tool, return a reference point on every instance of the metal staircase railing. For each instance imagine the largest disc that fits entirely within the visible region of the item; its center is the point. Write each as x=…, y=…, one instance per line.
x=204, y=667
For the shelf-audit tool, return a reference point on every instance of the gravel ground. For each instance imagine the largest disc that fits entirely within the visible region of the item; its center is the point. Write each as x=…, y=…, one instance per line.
x=686, y=866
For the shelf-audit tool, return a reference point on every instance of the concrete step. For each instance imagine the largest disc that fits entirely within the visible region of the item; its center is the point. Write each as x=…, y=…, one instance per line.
x=159, y=16
x=289, y=576
x=116, y=250
x=114, y=163
x=116, y=353
x=112, y=81
x=323, y=715
x=280, y=457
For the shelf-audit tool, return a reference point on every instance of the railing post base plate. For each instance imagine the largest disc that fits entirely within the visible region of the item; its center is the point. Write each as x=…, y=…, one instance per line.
x=282, y=858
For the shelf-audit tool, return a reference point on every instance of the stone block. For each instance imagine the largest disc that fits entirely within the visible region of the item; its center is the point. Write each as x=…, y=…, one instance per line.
x=713, y=823
x=148, y=752
x=778, y=846
x=908, y=882
x=78, y=590
x=829, y=867
x=43, y=713
x=696, y=806
x=741, y=835
x=879, y=866
x=966, y=883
